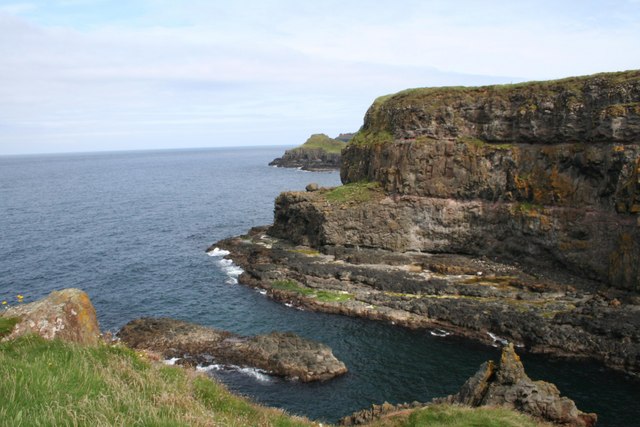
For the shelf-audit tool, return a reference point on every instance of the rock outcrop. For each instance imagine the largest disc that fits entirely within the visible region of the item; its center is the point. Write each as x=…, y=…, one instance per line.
x=282, y=354
x=318, y=153
x=68, y=315
x=508, y=385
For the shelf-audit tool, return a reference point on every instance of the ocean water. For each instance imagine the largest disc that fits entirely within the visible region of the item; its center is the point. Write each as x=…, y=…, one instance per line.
x=131, y=229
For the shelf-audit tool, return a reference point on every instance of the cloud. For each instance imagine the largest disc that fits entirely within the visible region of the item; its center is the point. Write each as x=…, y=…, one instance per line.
x=89, y=74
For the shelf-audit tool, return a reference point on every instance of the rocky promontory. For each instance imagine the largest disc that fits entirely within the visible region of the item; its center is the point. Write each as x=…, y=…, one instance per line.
x=281, y=354
x=501, y=213
x=504, y=384
x=319, y=152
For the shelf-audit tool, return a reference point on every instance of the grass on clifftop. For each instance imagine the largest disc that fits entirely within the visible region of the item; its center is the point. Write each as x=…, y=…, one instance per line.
x=52, y=383
x=323, y=142
x=353, y=192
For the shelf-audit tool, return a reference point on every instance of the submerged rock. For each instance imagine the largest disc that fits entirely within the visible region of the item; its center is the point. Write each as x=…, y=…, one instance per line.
x=508, y=385
x=68, y=315
x=282, y=354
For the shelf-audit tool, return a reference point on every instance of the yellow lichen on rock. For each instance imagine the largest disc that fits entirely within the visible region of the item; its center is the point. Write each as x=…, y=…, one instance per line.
x=68, y=315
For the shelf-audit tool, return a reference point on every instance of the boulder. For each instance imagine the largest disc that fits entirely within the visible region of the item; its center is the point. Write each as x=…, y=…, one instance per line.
x=67, y=315
x=281, y=354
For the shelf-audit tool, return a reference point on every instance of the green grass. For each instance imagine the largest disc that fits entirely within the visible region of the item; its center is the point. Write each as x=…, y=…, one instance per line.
x=458, y=416
x=372, y=137
x=52, y=383
x=353, y=192
x=320, y=295
x=7, y=324
x=322, y=142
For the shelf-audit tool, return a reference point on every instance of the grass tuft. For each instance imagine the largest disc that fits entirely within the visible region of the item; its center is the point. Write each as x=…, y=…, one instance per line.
x=7, y=324
x=458, y=416
x=320, y=295
x=353, y=192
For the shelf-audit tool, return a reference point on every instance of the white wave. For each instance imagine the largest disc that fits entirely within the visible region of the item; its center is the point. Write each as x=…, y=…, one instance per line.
x=231, y=270
x=497, y=340
x=171, y=361
x=258, y=374
x=218, y=252
x=262, y=291
x=439, y=333
x=288, y=304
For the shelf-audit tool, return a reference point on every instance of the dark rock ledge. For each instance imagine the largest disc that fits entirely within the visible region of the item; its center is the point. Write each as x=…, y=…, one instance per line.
x=543, y=311
x=281, y=354
x=504, y=384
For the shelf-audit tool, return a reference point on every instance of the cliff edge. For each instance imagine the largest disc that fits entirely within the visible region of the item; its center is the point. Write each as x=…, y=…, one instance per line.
x=545, y=173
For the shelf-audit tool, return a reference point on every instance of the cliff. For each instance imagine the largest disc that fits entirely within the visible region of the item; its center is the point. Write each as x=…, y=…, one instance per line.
x=547, y=173
x=499, y=213
x=319, y=152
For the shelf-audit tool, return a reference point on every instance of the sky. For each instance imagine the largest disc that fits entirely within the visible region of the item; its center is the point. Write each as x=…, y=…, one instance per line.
x=98, y=75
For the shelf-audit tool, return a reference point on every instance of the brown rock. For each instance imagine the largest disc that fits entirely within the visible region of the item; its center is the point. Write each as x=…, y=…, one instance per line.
x=508, y=385
x=67, y=315
x=282, y=354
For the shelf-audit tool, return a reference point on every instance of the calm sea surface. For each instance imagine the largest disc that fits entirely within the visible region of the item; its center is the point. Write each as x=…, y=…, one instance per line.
x=131, y=229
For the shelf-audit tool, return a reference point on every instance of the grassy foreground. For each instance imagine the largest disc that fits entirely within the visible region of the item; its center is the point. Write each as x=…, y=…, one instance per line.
x=53, y=383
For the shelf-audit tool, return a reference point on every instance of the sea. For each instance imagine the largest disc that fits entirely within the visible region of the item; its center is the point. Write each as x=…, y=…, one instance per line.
x=132, y=228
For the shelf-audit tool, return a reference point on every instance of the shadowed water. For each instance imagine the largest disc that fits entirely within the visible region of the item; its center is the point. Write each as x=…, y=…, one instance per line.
x=131, y=229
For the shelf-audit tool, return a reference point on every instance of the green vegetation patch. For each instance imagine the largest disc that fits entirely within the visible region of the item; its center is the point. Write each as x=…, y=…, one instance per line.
x=353, y=192
x=372, y=138
x=458, y=416
x=322, y=142
x=319, y=294
x=7, y=324
x=51, y=383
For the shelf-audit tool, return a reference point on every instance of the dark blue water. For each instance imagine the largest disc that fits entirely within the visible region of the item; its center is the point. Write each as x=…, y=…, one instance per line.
x=131, y=229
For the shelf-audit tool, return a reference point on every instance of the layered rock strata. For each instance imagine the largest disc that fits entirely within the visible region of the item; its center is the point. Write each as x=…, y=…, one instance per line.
x=548, y=312
x=281, y=354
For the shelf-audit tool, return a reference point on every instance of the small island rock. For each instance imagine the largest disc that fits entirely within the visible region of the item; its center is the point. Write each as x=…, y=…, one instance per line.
x=281, y=354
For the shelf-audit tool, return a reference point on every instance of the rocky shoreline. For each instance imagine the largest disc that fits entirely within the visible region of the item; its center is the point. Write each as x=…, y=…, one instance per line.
x=473, y=297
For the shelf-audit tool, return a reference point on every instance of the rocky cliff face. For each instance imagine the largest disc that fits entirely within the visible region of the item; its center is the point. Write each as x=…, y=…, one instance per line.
x=546, y=172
